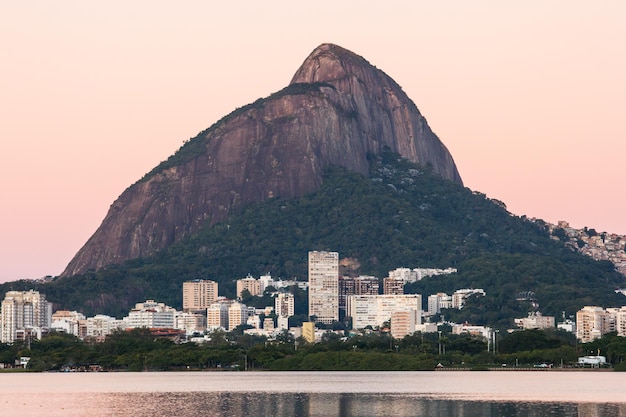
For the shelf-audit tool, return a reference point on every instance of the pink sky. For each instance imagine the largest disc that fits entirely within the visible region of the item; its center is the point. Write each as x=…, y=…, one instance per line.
x=529, y=97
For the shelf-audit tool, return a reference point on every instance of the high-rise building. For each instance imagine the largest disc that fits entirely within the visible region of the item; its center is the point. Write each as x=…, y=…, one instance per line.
x=591, y=323
x=284, y=304
x=253, y=286
x=217, y=315
x=198, y=295
x=324, y=286
x=24, y=314
x=237, y=315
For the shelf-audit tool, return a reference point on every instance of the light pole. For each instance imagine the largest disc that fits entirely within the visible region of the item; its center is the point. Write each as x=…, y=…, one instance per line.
x=495, y=341
x=439, y=341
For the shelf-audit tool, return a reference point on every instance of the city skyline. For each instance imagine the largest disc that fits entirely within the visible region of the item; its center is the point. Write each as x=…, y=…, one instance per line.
x=527, y=98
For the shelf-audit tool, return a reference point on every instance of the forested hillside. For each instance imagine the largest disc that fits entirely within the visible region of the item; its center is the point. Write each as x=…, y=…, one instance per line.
x=401, y=216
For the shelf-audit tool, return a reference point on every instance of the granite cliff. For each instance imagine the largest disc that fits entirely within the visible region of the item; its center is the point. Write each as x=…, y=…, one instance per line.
x=337, y=110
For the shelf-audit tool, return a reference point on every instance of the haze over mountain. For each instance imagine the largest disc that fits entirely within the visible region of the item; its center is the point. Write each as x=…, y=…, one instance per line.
x=338, y=110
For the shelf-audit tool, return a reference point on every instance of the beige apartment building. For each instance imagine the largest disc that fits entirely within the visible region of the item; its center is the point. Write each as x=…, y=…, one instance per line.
x=393, y=286
x=198, y=295
x=593, y=322
x=248, y=283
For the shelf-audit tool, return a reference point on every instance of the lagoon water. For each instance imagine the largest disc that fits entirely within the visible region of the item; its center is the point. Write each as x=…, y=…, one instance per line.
x=304, y=394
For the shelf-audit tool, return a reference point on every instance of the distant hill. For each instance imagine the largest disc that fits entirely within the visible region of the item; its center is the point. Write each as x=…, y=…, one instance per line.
x=399, y=215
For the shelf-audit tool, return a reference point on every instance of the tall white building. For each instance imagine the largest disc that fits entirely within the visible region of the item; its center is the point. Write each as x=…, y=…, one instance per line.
x=324, y=286
x=284, y=304
x=24, y=314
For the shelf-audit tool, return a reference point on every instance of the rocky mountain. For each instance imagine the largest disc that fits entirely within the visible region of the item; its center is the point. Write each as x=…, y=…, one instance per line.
x=338, y=110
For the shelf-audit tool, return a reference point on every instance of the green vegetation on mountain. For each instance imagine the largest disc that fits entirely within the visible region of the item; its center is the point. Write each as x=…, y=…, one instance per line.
x=401, y=216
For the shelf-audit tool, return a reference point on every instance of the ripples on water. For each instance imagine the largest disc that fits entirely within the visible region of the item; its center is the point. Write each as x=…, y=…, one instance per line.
x=294, y=405
x=345, y=405
x=313, y=394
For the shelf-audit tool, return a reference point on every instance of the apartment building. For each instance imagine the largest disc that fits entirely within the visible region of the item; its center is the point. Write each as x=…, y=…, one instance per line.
x=237, y=315
x=249, y=283
x=438, y=301
x=217, y=315
x=361, y=285
x=324, y=286
x=592, y=322
x=198, y=295
x=24, y=314
x=459, y=296
x=152, y=315
x=375, y=310
x=403, y=323
x=284, y=304
x=535, y=320
x=70, y=322
x=393, y=286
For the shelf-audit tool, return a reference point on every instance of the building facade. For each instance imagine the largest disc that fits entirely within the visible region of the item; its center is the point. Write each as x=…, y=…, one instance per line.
x=252, y=285
x=237, y=315
x=375, y=310
x=198, y=295
x=284, y=304
x=393, y=286
x=438, y=301
x=217, y=315
x=24, y=314
x=152, y=315
x=591, y=323
x=361, y=285
x=324, y=286
x=403, y=323
x=535, y=321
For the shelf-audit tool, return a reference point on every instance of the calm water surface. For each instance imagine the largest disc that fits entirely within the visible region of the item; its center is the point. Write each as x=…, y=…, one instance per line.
x=303, y=394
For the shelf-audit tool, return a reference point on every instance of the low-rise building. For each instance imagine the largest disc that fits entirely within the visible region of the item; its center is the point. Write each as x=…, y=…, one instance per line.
x=535, y=320
x=375, y=310
x=151, y=314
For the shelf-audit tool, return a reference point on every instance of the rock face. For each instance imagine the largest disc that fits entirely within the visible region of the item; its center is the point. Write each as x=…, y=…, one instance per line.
x=337, y=110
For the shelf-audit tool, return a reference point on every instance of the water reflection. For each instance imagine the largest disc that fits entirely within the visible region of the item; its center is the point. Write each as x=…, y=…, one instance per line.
x=344, y=405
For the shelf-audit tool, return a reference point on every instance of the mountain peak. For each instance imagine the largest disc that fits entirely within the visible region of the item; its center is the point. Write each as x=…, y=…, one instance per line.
x=327, y=63
x=338, y=111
